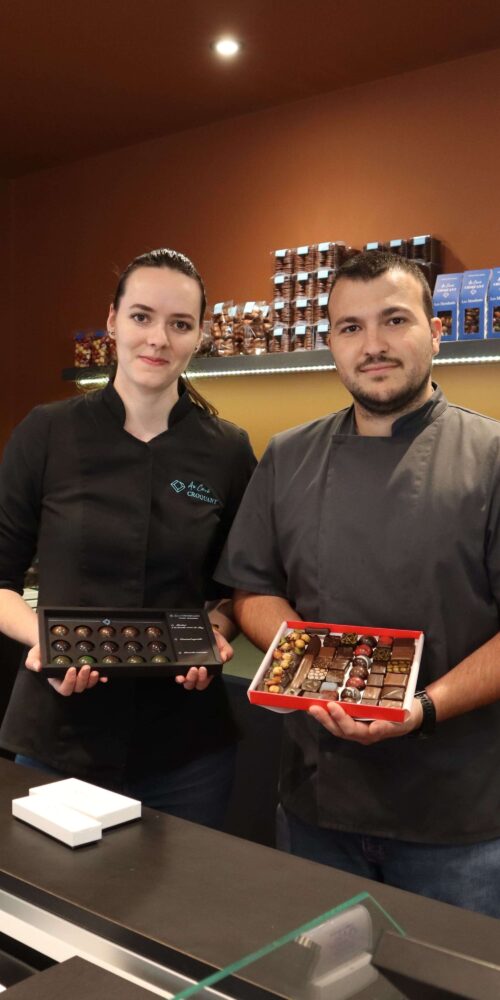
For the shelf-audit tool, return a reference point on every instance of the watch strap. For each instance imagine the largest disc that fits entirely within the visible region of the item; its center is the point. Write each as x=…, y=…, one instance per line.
x=428, y=723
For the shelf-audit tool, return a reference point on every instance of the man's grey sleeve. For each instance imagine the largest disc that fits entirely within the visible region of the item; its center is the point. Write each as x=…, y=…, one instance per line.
x=251, y=558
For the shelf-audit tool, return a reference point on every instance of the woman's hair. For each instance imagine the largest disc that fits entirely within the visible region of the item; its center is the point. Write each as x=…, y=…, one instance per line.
x=176, y=262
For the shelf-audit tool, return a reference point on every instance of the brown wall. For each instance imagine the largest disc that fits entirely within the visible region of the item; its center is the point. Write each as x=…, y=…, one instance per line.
x=415, y=153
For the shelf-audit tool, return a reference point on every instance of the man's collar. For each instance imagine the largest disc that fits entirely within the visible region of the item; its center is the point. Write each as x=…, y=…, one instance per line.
x=409, y=423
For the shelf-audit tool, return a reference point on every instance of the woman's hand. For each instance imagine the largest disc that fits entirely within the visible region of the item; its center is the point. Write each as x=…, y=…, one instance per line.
x=74, y=681
x=197, y=677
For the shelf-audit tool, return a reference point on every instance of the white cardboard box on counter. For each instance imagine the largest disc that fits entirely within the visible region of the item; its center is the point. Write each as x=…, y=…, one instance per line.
x=67, y=825
x=109, y=808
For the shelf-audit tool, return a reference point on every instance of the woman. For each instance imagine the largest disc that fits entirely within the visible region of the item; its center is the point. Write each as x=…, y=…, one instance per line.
x=92, y=485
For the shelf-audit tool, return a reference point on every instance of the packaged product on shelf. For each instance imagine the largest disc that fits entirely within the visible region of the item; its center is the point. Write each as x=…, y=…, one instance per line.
x=206, y=347
x=99, y=348
x=303, y=337
x=445, y=303
x=322, y=335
x=283, y=261
x=282, y=310
x=303, y=310
x=400, y=247
x=472, y=319
x=251, y=336
x=493, y=324
x=426, y=248
x=305, y=258
x=320, y=308
x=324, y=279
x=374, y=246
x=286, y=339
x=330, y=254
x=305, y=283
x=283, y=286
x=279, y=333
x=222, y=328
x=110, y=348
x=83, y=350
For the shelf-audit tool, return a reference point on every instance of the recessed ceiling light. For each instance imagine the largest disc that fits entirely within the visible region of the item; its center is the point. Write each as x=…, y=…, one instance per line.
x=227, y=47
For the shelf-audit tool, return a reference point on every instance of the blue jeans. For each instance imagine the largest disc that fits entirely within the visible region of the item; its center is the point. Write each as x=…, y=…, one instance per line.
x=198, y=791
x=466, y=875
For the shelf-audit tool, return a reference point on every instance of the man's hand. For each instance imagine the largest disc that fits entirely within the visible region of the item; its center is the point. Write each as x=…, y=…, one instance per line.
x=197, y=677
x=74, y=681
x=340, y=724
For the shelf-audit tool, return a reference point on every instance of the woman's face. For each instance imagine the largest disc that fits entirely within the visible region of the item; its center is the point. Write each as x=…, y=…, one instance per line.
x=156, y=327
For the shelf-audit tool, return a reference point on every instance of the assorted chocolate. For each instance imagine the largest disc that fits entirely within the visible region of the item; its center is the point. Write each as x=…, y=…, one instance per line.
x=146, y=642
x=341, y=666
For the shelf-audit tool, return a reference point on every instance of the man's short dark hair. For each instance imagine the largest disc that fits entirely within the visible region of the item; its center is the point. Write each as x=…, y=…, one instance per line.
x=373, y=263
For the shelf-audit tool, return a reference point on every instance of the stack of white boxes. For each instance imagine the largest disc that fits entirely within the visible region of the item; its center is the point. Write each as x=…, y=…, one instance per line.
x=73, y=811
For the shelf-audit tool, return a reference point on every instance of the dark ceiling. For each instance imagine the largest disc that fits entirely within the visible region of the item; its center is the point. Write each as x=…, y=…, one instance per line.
x=82, y=78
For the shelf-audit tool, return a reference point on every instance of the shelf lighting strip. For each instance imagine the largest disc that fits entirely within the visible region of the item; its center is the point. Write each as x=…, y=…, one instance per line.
x=95, y=381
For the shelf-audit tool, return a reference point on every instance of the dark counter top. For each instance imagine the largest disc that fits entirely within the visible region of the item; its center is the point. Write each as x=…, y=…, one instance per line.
x=162, y=884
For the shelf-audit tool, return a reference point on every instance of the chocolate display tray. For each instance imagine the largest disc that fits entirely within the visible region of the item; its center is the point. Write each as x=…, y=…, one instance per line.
x=145, y=642
x=365, y=712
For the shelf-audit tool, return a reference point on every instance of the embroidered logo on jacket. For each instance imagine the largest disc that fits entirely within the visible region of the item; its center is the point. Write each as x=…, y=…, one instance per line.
x=198, y=491
x=178, y=486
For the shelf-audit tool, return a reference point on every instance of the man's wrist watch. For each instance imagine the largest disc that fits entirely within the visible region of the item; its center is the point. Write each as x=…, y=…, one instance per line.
x=428, y=723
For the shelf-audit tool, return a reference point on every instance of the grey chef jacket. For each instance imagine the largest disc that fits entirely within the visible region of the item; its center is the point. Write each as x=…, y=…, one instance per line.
x=396, y=532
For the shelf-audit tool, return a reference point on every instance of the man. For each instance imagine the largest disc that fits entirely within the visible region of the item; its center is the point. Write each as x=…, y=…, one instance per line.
x=387, y=514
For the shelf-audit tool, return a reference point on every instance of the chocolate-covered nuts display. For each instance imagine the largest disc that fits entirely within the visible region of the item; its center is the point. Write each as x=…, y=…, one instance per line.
x=144, y=642
x=309, y=662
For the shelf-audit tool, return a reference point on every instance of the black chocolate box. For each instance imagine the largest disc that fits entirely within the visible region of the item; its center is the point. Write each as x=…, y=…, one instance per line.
x=145, y=642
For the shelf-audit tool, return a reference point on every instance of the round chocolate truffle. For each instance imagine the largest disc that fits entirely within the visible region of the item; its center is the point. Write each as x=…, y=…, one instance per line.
x=361, y=661
x=109, y=647
x=364, y=649
x=370, y=639
x=62, y=661
x=84, y=646
x=83, y=631
x=350, y=694
x=59, y=630
x=60, y=646
x=135, y=659
x=159, y=659
x=86, y=660
x=153, y=632
x=132, y=647
x=359, y=672
x=111, y=659
x=156, y=647
x=107, y=631
x=356, y=682
x=130, y=632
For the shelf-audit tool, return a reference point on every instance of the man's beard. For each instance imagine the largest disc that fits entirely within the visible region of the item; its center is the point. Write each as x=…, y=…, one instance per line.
x=395, y=403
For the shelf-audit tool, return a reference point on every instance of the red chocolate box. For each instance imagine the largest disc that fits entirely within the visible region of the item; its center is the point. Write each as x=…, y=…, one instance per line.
x=311, y=663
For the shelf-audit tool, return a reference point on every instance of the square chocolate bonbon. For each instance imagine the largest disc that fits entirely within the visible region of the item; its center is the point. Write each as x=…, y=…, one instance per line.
x=127, y=642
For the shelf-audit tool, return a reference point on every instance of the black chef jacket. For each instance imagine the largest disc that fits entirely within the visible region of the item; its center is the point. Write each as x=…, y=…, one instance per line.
x=118, y=522
x=397, y=532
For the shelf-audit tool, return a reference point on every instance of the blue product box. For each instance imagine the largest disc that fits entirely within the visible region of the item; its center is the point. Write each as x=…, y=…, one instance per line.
x=472, y=322
x=445, y=301
x=493, y=324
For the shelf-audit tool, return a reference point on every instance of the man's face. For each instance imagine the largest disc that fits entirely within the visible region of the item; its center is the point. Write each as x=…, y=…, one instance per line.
x=382, y=342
